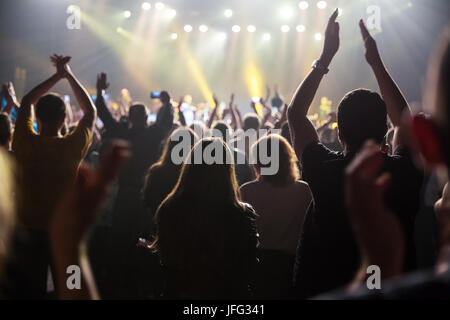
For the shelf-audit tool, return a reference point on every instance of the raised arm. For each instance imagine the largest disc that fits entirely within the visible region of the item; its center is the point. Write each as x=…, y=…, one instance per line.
x=81, y=94
x=74, y=218
x=103, y=112
x=10, y=95
x=302, y=130
x=32, y=97
x=180, y=113
x=396, y=104
x=214, y=113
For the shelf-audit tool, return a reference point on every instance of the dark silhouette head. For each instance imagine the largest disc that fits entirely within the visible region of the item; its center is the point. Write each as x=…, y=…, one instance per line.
x=361, y=116
x=223, y=128
x=51, y=111
x=5, y=130
x=137, y=115
x=251, y=121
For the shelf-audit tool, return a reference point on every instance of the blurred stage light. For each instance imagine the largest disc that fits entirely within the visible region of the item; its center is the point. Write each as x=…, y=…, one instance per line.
x=127, y=14
x=203, y=28
x=188, y=28
x=266, y=36
x=251, y=28
x=159, y=6
x=286, y=13
x=285, y=28
x=171, y=13
x=146, y=6
x=303, y=5
x=318, y=36
x=228, y=13
x=174, y=36
x=119, y=29
x=321, y=4
x=222, y=36
x=300, y=28
x=236, y=28
x=71, y=9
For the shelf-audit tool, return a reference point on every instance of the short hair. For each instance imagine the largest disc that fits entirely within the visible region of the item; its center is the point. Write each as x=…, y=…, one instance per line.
x=223, y=128
x=251, y=121
x=361, y=116
x=50, y=109
x=137, y=113
x=5, y=129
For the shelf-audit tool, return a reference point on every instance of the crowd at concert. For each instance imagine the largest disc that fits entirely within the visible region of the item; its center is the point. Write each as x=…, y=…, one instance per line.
x=94, y=188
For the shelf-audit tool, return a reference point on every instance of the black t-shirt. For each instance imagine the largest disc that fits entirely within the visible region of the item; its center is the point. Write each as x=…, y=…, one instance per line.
x=328, y=256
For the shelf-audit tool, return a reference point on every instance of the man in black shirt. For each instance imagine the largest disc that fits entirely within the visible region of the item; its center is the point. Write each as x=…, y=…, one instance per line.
x=328, y=256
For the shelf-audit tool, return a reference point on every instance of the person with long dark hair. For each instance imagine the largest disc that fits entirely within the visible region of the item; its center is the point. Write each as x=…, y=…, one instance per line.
x=206, y=237
x=162, y=177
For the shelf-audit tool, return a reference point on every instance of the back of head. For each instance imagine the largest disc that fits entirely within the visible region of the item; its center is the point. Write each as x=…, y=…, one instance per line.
x=221, y=130
x=138, y=115
x=361, y=116
x=198, y=127
x=5, y=130
x=177, y=136
x=51, y=110
x=209, y=174
x=287, y=160
x=251, y=121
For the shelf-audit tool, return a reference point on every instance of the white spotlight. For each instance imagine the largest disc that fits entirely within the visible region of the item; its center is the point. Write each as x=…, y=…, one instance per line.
x=236, y=28
x=228, y=13
x=266, y=36
x=321, y=4
x=188, y=28
x=318, y=36
x=127, y=14
x=171, y=13
x=300, y=28
x=159, y=6
x=251, y=28
x=203, y=28
x=174, y=36
x=286, y=13
x=303, y=5
x=285, y=28
x=146, y=6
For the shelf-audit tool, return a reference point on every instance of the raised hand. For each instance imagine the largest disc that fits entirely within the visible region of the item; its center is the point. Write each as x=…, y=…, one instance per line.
x=377, y=230
x=9, y=93
x=78, y=210
x=372, y=54
x=331, y=43
x=231, y=104
x=102, y=83
x=61, y=64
